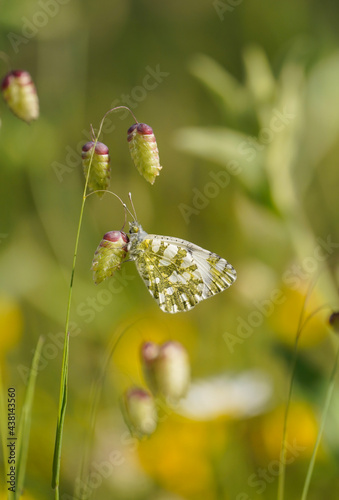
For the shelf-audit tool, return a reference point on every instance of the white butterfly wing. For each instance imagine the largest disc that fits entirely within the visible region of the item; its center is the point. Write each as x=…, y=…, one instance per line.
x=217, y=273
x=180, y=274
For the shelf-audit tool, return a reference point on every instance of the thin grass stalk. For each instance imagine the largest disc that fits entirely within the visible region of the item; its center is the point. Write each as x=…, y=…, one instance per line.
x=3, y=429
x=64, y=371
x=95, y=399
x=321, y=428
x=282, y=469
x=25, y=422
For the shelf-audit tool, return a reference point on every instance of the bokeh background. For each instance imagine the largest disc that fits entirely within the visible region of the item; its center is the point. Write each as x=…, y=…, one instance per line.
x=244, y=104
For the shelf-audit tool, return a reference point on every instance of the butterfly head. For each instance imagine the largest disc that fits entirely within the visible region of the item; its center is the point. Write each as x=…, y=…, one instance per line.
x=134, y=227
x=136, y=232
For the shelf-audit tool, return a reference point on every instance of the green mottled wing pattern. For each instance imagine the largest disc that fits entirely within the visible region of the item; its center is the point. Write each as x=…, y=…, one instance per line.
x=177, y=273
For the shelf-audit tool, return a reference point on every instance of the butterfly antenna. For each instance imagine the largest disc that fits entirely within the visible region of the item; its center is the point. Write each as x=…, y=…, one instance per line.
x=114, y=194
x=130, y=199
x=125, y=208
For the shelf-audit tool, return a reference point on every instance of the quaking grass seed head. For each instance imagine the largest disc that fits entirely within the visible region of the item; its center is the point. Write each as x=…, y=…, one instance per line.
x=334, y=321
x=100, y=172
x=166, y=369
x=144, y=151
x=149, y=353
x=109, y=255
x=19, y=92
x=139, y=412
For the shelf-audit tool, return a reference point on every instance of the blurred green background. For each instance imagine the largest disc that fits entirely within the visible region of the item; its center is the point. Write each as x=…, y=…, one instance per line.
x=245, y=93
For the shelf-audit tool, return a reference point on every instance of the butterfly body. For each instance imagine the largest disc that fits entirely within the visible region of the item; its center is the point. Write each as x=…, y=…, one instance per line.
x=177, y=273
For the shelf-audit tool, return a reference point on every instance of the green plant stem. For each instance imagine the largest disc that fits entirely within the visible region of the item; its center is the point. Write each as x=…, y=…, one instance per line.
x=321, y=428
x=25, y=422
x=64, y=370
x=94, y=402
x=3, y=428
x=282, y=470
x=301, y=325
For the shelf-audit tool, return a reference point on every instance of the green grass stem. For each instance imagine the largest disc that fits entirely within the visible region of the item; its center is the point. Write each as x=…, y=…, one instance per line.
x=301, y=325
x=321, y=428
x=64, y=370
x=25, y=422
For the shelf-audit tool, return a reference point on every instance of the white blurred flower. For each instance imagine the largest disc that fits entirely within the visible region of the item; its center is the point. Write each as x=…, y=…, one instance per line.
x=238, y=396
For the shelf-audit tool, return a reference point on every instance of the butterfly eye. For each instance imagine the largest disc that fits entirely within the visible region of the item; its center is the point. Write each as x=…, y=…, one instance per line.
x=134, y=229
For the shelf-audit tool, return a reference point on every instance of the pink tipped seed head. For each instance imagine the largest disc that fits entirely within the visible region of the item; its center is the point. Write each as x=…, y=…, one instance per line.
x=6, y=81
x=334, y=321
x=144, y=151
x=137, y=392
x=109, y=255
x=100, y=148
x=20, y=94
x=149, y=352
x=139, y=412
x=132, y=127
x=98, y=161
x=25, y=78
x=116, y=236
x=19, y=72
x=144, y=129
x=130, y=132
x=172, y=345
x=87, y=147
x=172, y=371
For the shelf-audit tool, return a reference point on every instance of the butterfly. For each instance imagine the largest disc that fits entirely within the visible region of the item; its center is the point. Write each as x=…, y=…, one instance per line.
x=178, y=274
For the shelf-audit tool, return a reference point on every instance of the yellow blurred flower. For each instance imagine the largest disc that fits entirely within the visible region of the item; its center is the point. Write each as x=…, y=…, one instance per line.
x=302, y=429
x=157, y=328
x=24, y=496
x=179, y=456
x=11, y=323
x=285, y=319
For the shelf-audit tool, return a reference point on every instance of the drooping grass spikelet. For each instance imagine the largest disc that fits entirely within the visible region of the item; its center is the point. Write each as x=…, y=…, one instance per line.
x=100, y=173
x=166, y=369
x=20, y=93
x=139, y=412
x=110, y=253
x=144, y=151
x=334, y=321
